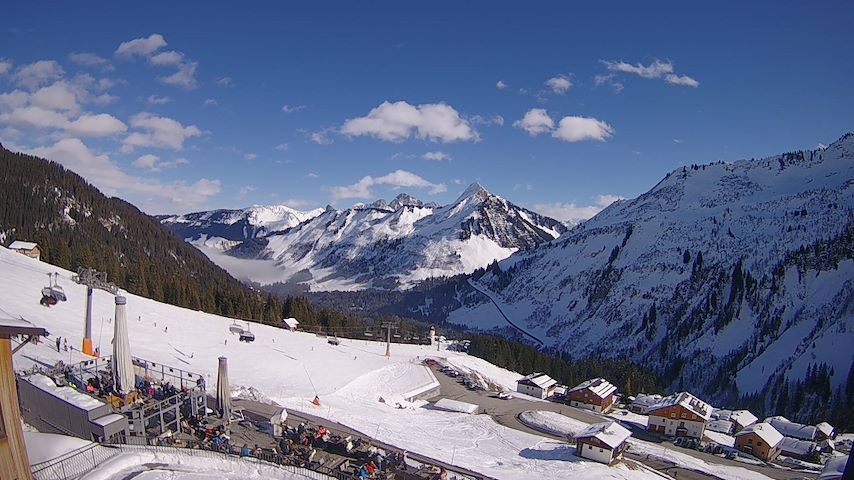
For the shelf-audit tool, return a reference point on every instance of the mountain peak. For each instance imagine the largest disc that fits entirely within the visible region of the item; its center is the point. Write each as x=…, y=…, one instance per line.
x=405, y=200
x=473, y=190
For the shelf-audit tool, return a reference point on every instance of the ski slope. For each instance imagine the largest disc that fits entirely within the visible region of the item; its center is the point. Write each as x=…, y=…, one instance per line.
x=291, y=368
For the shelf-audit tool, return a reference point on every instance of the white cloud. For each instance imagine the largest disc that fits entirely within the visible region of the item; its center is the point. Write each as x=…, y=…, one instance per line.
x=146, y=161
x=97, y=125
x=654, y=70
x=395, y=122
x=312, y=175
x=609, y=79
x=157, y=100
x=185, y=76
x=34, y=75
x=438, y=156
x=12, y=100
x=681, y=80
x=224, y=81
x=576, y=129
x=88, y=59
x=59, y=96
x=250, y=156
x=292, y=108
x=155, y=196
x=168, y=58
x=34, y=117
x=158, y=132
x=573, y=212
x=501, y=85
x=141, y=47
x=559, y=84
x=244, y=191
x=321, y=137
x=535, y=122
x=210, y=102
x=282, y=147
x=5, y=67
x=104, y=99
x=396, y=179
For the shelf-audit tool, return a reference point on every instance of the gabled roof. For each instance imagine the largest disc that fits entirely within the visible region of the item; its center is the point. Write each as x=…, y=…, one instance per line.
x=687, y=401
x=720, y=426
x=610, y=433
x=646, y=400
x=291, y=322
x=18, y=326
x=598, y=386
x=825, y=428
x=765, y=431
x=742, y=418
x=798, y=447
x=17, y=244
x=792, y=429
x=539, y=379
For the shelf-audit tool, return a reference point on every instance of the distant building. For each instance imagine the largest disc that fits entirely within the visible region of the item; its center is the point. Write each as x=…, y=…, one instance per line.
x=761, y=440
x=825, y=430
x=537, y=385
x=834, y=469
x=596, y=394
x=14, y=462
x=679, y=415
x=791, y=429
x=29, y=249
x=602, y=442
x=800, y=449
x=290, y=323
x=740, y=419
x=642, y=403
x=721, y=426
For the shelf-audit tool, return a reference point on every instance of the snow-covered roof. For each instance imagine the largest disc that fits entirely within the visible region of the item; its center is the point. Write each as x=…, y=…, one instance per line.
x=794, y=446
x=290, y=322
x=722, y=426
x=742, y=418
x=598, y=386
x=687, y=401
x=456, y=406
x=791, y=429
x=825, y=428
x=610, y=433
x=646, y=400
x=834, y=469
x=539, y=379
x=19, y=245
x=70, y=395
x=108, y=419
x=19, y=326
x=765, y=431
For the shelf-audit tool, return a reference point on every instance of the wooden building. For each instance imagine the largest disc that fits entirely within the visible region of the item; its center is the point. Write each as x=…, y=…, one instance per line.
x=29, y=249
x=14, y=463
x=679, y=415
x=596, y=394
x=602, y=442
x=761, y=440
x=537, y=385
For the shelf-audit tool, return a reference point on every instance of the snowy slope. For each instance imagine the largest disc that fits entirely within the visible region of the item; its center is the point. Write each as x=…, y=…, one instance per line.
x=382, y=245
x=703, y=276
x=287, y=367
x=237, y=225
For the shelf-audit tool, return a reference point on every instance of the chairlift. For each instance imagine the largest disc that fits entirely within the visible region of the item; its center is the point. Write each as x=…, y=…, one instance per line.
x=247, y=335
x=235, y=328
x=333, y=340
x=52, y=293
x=396, y=335
x=368, y=333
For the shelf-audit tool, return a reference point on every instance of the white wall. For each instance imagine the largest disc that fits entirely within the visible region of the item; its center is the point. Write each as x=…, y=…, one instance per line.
x=694, y=429
x=593, y=452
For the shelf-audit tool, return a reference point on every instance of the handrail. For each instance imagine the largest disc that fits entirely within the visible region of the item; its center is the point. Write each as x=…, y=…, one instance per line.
x=73, y=464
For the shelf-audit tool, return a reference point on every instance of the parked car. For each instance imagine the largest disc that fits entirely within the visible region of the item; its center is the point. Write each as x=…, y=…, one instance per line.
x=731, y=455
x=504, y=395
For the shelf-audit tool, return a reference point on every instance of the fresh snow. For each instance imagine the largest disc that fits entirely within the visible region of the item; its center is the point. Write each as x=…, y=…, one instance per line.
x=290, y=368
x=552, y=422
x=42, y=447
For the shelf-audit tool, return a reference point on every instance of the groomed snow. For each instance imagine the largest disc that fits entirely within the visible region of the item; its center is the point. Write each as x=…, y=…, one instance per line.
x=552, y=422
x=42, y=447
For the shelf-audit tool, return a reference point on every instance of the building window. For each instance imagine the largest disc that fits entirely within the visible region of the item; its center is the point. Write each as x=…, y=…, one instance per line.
x=672, y=415
x=683, y=414
x=589, y=447
x=750, y=441
x=681, y=424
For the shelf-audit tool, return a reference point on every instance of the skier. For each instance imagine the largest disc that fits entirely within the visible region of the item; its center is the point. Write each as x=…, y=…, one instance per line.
x=58, y=343
x=65, y=344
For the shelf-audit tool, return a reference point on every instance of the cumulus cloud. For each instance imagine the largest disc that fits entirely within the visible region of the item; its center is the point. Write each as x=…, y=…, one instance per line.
x=12, y=100
x=152, y=163
x=88, y=59
x=210, y=102
x=153, y=195
x=104, y=99
x=158, y=100
x=166, y=58
x=576, y=129
x=438, y=156
x=34, y=75
x=535, y=122
x=292, y=108
x=396, y=179
x=282, y=147
x=5, y=67
x=322, y=137
x=59, y=96
x=34, y=117
x=146, y=161
x=398, y=121
x=141, y=47
x=98, y=125
x=572, y=212
x=501, y=85
x=158, y=132
x=681, y=80
x=481, y=120
x=559, y=84
x=185, y=76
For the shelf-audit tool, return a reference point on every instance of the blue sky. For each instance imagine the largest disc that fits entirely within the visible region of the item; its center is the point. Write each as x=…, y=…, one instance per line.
x=186, y=106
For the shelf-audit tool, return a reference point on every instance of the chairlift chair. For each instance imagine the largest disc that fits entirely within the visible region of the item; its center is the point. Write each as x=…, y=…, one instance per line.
x=52, y=293
x=368, y=333
x=235, y=328
x=247, y=336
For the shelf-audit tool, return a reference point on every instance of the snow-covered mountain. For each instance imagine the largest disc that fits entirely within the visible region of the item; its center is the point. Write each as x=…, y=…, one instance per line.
x=384, y=244
x=726, y=278
x=234, y=226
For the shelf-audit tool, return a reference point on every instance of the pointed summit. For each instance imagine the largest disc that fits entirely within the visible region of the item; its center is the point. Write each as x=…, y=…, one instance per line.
x=473, y=190
x=405, y=200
